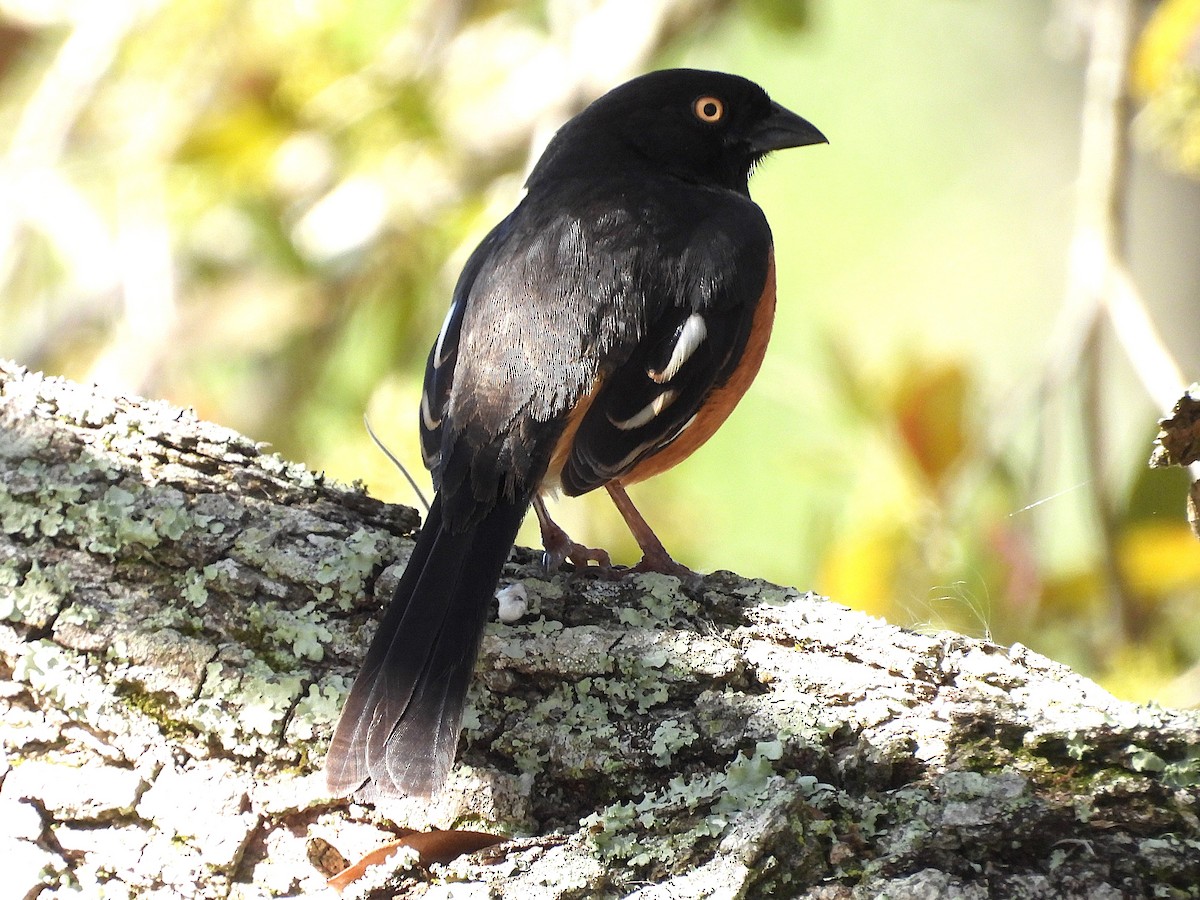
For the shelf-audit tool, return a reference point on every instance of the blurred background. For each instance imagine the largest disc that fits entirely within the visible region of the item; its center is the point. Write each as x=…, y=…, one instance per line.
x=258, y=208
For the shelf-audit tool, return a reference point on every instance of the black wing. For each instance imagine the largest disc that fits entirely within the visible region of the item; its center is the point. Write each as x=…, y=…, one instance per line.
x=691, y=348
x=443, y=356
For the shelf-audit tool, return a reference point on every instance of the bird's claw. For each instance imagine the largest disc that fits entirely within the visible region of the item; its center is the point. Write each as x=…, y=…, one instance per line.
x=581, y=557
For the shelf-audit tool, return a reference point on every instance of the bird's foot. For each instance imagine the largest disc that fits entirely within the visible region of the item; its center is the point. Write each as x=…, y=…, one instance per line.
x=580, y=556
x=560, y=548
x=660, y=561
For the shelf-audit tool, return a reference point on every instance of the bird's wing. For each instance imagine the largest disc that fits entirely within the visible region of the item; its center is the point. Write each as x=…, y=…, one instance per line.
x=443, y=356
x=689, y=350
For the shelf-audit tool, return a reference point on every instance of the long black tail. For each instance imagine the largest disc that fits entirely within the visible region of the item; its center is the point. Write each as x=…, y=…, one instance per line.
x=399, y=728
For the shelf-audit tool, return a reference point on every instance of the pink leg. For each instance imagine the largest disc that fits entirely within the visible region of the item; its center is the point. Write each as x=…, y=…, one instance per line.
x=560, y=547
x=654, y=555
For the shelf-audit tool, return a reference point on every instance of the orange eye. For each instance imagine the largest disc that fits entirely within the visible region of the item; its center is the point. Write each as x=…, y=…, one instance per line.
x=709, y=109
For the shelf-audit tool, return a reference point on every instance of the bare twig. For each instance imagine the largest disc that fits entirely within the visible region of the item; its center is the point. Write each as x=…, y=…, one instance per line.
x=33, y=191
x=1095, y=249
x=1153, y=363
x=412, y=482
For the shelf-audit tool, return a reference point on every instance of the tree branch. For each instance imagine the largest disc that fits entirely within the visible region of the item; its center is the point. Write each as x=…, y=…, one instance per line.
x=182, y=614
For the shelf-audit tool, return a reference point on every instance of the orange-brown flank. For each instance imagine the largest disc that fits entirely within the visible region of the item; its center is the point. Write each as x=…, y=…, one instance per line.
x=720, y=403
x=711, y=416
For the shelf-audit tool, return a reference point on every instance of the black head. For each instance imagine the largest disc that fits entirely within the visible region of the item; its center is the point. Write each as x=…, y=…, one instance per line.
x=707, y=127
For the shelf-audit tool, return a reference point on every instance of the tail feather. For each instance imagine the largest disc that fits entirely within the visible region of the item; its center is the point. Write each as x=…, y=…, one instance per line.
x=399, y=728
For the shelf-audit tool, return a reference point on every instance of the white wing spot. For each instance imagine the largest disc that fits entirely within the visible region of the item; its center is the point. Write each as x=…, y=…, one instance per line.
x=682, y=428
x=656, y=443
x=632, y=455
x=647, y=412
x=691, y=335
x=438, y=358
x=427, y=418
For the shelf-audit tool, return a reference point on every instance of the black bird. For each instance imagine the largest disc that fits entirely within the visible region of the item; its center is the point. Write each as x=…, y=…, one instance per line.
x=597, y=336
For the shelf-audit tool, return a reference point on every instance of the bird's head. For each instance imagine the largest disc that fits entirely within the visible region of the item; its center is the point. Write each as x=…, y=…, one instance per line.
x=708, y=127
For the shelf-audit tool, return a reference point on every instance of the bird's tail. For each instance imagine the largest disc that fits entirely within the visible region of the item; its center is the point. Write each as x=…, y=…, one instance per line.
x=399, y=728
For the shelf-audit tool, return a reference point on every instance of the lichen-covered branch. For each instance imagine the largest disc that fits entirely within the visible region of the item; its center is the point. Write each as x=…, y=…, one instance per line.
x=182, y=614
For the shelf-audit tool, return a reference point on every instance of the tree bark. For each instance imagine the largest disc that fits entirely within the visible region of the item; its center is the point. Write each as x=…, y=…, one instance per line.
x=181, y=614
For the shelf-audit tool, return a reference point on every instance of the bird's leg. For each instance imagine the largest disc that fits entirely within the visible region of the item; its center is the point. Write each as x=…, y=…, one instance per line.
x=654, y=555
x=560, y=547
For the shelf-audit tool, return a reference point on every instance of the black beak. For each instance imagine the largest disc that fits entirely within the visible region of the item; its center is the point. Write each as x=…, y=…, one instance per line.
x=783, y=129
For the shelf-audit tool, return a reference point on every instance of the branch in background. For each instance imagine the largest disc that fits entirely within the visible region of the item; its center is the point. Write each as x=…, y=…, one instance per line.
x=1138, y=336
x=1099, y=286
x=1096, y=247
x=35, y=192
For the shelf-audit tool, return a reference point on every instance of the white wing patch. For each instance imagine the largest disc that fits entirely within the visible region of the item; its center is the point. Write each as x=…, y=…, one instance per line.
x=427, y=418
x=691, y=335
x=438, y=358
x=657, y=443
x=647, y=412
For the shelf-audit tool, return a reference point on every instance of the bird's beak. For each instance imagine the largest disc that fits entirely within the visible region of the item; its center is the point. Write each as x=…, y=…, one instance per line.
x=783, y=129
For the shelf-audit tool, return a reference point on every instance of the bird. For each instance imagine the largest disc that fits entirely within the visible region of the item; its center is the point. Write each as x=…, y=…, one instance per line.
x=597, y=336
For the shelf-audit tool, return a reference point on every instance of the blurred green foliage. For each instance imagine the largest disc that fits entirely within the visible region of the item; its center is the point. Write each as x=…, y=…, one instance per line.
x=1166, y=76
x=259, y=209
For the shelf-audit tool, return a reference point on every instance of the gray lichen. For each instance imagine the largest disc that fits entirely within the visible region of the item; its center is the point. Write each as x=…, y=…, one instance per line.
x=181, y=616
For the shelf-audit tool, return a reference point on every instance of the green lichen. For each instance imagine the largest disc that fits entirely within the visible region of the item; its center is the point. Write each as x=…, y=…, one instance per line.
x=576, y=719
x=1183, y=773
x=178, y=618
x=634, y=691
x=193, y=585
x=83, y=615
x=262, y=697
x=29, y=498
x=10, y=577
x=670, y=823
x=585, y=726
x=1143, y=760
x=286, y=636
x=93, y=505
x=656, y=600
x=641, y=682
x=343, y=575
x=515, y=639
x=766, y=594
x=18, y=518
x=537, y=589
x=296, y=473
x=33, y=598
x=318, y=708
x=112, y=522
x=669, y=738
x=1077, y=745
x=54, y=672
x=542, y=626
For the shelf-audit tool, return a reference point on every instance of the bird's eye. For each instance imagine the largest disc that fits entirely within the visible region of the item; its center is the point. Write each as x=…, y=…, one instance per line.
x=709, y=109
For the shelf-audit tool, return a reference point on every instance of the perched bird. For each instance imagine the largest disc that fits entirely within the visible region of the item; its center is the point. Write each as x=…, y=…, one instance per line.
x=597, y=336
